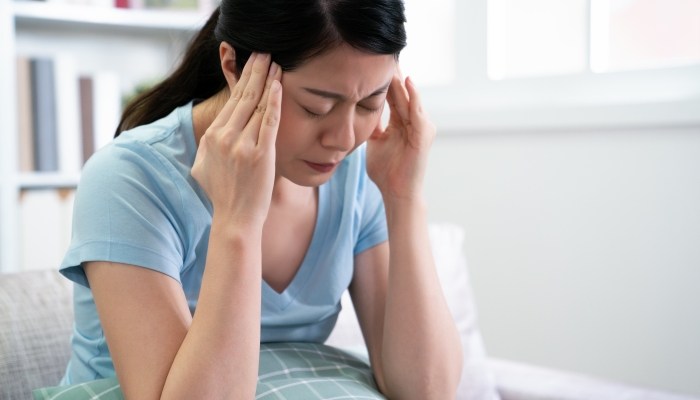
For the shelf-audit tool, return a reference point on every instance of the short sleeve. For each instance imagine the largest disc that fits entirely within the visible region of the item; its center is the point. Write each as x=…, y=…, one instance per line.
x=373, y=229
x=127, y=210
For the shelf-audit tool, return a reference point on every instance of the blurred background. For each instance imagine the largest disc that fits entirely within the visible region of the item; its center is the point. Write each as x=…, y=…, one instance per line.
x=568, y=147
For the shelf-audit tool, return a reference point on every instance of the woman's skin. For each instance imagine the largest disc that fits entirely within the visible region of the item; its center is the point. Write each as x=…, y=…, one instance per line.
x=255, y=141
x=417, y=327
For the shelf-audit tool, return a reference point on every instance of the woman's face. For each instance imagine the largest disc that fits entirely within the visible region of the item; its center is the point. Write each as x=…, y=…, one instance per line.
x=330, y=106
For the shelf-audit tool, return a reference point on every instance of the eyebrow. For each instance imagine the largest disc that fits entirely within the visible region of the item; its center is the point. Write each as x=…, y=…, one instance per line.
x=338, y=96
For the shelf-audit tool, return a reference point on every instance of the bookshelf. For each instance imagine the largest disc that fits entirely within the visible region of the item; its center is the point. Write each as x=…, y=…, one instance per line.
x=61, y=16
x=138, y=45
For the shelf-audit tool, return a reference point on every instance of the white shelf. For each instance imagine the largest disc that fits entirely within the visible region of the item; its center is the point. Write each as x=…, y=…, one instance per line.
x=36, y=180
x=69, y=15
x=136, y=44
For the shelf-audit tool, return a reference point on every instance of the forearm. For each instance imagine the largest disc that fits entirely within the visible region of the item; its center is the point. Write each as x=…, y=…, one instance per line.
x=421, y=354
x=218, y=358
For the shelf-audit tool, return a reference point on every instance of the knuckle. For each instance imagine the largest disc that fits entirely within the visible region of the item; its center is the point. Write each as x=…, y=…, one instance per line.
x=248, y=94
x=238, y=151
x=271, y=120
x=237, y=93
x=261, y=108
x=226, y=141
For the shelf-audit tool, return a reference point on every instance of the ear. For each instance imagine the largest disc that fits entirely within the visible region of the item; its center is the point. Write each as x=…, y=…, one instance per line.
x=228, y=64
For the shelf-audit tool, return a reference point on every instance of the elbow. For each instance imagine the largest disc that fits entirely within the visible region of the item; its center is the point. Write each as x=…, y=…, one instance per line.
x=436, y=382
x=441, y=381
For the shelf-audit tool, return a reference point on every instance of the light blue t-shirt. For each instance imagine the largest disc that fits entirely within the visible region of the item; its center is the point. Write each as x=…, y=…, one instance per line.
x=138, y=204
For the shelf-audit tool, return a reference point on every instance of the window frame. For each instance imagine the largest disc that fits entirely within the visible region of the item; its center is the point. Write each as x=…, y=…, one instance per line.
x=588, y=100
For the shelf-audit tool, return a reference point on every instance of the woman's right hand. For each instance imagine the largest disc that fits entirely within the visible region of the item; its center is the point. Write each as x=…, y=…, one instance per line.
x=235, y=161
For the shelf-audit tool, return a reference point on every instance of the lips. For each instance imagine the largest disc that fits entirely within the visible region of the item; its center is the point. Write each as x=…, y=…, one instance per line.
x=326, y=167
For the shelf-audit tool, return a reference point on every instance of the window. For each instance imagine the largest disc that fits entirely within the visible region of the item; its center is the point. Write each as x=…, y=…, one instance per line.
x=634, y=34
x=486, y=65
x=429, y=57
x=536, y=37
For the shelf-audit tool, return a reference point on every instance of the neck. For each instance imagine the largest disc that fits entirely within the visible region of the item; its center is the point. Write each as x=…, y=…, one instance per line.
x=204, y=113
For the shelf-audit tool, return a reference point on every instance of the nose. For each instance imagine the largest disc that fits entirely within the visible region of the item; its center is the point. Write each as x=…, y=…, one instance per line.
x=340, y=135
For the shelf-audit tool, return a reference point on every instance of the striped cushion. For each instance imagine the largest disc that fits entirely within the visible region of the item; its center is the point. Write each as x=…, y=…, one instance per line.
x=287, y=371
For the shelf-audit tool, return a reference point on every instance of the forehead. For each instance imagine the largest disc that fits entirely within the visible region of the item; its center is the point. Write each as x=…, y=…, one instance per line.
x=344, y=70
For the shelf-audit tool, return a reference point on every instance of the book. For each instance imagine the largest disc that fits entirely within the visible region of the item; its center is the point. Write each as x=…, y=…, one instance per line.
x=67, y=114
x=107, y=99
x=24, y=117
x=45, y=227
x=44, y=115
x=172, y=4
x=87, y=123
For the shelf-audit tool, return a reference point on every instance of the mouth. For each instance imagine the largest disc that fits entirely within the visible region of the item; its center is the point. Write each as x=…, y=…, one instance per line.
x=323, y=168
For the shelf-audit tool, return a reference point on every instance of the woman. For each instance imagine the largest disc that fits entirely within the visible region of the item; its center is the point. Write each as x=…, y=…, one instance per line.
x=239, y=179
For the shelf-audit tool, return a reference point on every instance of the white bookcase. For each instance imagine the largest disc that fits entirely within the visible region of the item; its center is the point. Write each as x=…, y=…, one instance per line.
x=136, y=44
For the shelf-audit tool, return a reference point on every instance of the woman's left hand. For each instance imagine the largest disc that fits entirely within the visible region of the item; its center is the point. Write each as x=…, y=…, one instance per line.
x=397, y=156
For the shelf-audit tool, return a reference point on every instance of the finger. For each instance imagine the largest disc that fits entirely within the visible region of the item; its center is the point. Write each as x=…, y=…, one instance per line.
x=415, y=106
x=378, y=131
x=253, y=127
x=226, y=112
x=419, y=118
x=401, y=78
x=251, y=93
x=400, y=99
x=271, y=118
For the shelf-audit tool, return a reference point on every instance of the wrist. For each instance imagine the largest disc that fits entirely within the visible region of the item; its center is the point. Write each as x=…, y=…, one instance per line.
x=234, y=227
x=399, y=207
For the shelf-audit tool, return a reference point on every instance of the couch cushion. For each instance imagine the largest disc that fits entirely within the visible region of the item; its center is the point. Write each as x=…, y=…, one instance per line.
x=36, y=320
x=286, y=371
x=520, y=381
x=447, y=241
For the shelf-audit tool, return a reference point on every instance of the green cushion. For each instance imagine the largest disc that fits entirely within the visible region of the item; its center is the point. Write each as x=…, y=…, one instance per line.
x=287, y=371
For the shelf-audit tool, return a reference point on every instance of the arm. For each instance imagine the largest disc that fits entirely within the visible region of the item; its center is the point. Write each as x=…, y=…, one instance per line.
x=417, y=345
x=414, y=346
x=421, y=342
x=158, y=350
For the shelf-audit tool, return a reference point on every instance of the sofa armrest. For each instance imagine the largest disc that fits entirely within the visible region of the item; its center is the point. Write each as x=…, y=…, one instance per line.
x=519, y=381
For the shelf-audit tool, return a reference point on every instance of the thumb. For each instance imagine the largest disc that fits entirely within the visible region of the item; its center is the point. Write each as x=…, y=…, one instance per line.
x=201, y=152
x=378, y=130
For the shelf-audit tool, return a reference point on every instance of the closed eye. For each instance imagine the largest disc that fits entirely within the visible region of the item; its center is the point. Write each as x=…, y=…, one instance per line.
x=372, y=110
x=313, y=115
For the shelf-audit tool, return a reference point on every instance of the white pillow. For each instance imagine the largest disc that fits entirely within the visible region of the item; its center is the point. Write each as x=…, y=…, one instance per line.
x=478, y=382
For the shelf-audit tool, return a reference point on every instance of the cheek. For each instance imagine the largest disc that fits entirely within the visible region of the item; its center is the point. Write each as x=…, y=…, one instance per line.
x=365, y=126
x=294, y=133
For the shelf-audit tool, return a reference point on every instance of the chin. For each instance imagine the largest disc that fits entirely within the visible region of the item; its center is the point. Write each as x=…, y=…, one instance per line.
x=308, y=180
x=302, y=177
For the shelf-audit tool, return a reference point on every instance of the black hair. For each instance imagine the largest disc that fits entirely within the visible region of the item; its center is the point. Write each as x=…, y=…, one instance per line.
x=293, y=31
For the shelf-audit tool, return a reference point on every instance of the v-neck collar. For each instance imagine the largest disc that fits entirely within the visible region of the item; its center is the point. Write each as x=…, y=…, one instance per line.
x=282, y=300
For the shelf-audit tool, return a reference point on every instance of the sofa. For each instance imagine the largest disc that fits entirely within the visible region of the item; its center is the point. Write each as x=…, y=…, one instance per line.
x=36, y=319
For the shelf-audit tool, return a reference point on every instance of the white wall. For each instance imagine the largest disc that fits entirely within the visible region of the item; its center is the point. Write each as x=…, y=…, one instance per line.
x=584, y=247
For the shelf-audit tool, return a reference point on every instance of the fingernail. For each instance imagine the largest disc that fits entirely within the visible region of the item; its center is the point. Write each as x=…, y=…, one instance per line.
x=264, y=56
x=275, y=86
x=252, y=57
x=409, y=81
x=273, y=69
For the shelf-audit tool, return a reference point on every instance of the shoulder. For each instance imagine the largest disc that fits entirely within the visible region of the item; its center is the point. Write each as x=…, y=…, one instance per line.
x=133, y=167
x=134, y=153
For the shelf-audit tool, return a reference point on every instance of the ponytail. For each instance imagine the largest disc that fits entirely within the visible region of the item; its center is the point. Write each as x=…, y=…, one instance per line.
x=199, y=76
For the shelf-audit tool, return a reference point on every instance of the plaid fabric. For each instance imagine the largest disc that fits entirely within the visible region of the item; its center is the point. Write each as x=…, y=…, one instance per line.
x=287, y=371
